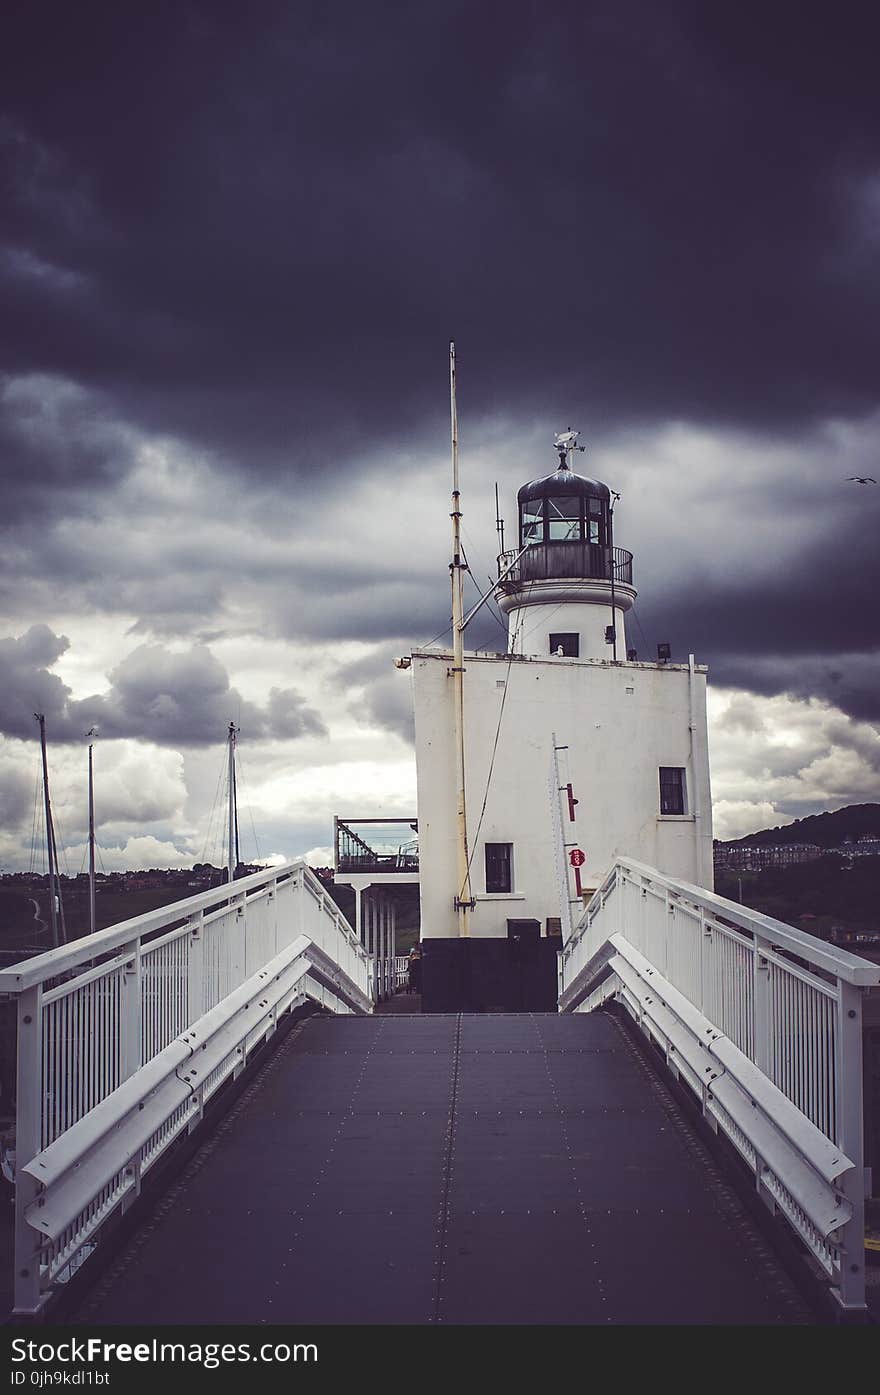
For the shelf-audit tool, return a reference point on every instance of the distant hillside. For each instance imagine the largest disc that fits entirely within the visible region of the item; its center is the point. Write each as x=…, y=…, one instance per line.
x=825, y=830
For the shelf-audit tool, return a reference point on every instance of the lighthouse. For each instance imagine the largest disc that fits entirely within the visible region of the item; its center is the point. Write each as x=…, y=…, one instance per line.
x=568, y=588
x=574, y=751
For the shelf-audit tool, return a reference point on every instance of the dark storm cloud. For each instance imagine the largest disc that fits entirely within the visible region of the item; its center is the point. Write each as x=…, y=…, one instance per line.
x=16, y=798
x=382, y=694
x=253, y=226
x=172, y=699
x=251, y=233
x=809, y=629
x=27, y=685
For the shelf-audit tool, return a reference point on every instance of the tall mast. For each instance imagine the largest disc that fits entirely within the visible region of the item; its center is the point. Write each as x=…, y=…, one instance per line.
x=499, y=523
x=232, y=843
x=463, y=900
x=614, y=499
x=50, y=837
x=92, y=925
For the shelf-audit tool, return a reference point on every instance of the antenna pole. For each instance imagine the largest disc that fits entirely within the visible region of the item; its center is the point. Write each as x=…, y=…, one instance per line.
x=92, y=924
x=232, y=844
x=50, y=836
x=499, y=522
x=614, y=499
x=463, y=900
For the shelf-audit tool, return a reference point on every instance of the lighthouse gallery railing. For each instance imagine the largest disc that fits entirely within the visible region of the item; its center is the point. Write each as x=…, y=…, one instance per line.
x=763, y=1022
x=124, y=1036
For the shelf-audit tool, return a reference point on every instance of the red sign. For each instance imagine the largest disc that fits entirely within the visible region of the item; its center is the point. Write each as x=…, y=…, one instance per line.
x=577, y=858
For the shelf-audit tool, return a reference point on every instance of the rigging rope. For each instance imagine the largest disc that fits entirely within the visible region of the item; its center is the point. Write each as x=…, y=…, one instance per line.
x=248, y=804
x=476, y=837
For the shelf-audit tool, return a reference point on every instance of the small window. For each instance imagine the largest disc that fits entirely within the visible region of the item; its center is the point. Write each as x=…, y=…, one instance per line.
x=499, y=863
x=672, y=790
x=565, y=519
x=569, y=645
x=532, y=517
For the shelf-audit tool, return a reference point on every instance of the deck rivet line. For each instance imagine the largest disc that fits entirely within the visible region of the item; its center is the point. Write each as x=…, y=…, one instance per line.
x=725, y=1201
x=441, y=1242
x=561, y=1114
x=172, y=1196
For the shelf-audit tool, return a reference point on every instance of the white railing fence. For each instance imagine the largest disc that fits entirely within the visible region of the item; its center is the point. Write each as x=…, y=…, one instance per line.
x=763, y=1022
x=123, y=1037
x=400, y=971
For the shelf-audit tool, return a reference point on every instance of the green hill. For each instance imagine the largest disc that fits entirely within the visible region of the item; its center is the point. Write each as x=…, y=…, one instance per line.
x=825, y=830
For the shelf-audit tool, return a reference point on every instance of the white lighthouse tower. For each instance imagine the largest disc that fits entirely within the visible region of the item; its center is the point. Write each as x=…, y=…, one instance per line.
x=568, y=592
x=567, y=705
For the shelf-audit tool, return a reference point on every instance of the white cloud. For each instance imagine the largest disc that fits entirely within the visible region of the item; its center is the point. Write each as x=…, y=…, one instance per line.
x=297, y=590
x=135, y=855
x=319, y=857
x=775, y=759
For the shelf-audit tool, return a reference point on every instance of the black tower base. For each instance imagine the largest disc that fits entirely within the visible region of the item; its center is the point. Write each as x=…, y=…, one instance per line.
x=493, y=975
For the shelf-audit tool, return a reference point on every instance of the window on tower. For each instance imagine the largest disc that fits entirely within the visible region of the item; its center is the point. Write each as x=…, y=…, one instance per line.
x=564, y=518
x=499, y=867
x=673, y=790
x=532, y=521
x=566, y=645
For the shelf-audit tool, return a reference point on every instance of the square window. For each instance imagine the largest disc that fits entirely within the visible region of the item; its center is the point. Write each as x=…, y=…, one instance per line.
x=673, y=790
x=569, y=644
x=565, y=523
x=499, y=867
x=532, y=522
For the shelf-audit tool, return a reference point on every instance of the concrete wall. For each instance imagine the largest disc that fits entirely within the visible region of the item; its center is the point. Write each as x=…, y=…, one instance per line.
x=620, y=722
x=530, y=626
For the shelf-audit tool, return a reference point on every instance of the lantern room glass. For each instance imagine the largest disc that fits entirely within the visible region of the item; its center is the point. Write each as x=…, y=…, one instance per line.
x=532, y=522
x=563, y=518
x=564, y=522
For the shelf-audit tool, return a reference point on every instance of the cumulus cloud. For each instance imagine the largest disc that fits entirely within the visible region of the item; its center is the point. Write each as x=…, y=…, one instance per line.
x=136, y=854
x=169, y=697
x=16, y=798
x=26, y=683
x=288, y=716
x=781, y=758
x=382, y=695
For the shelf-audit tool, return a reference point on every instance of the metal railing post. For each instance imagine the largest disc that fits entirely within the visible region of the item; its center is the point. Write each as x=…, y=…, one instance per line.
x=131, y=1012
x=238, y=941
x=761, y=989
x=374, y=945
x=848, y=1073
x=272, y=900
x=196, y=971
x=28, y=1143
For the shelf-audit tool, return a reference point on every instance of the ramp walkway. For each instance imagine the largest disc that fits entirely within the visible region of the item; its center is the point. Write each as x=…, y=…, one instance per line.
x=499, y=1169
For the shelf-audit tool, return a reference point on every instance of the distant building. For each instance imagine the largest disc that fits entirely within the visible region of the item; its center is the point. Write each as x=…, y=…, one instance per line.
x=866, y=846
x=754, y=857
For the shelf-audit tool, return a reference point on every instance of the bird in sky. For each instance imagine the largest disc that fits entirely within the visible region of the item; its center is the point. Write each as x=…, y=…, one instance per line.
x=861, y=479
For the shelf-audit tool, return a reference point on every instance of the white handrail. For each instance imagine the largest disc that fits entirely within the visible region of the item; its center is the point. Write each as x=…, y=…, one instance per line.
x=762, y=1021
x=97, y=1017
x=840, y=962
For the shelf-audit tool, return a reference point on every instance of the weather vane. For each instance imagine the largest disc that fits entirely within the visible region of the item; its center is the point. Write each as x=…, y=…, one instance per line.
x=566, y=443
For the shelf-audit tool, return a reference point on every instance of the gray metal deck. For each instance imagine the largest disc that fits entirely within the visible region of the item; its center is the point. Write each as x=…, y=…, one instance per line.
x=476, y=1169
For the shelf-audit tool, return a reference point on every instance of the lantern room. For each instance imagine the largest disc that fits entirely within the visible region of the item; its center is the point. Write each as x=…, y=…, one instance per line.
x=564, y=507
x=566, y=559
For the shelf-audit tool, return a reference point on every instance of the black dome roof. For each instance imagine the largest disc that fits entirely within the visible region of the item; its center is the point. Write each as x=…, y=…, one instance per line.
x=563, y=482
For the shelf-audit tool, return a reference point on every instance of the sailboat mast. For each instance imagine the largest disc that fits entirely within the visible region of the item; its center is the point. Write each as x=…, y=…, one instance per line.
x=92, y=921
x=232, y=825
x=463, y=900
x=50, y=835
x=499, y=525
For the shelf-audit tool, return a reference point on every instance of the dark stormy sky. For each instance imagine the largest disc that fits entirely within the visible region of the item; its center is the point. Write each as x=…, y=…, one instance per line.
x=235, y=244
